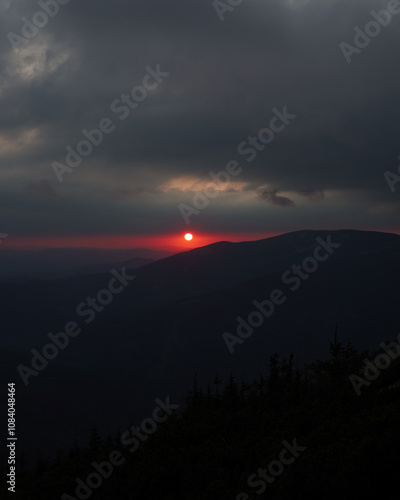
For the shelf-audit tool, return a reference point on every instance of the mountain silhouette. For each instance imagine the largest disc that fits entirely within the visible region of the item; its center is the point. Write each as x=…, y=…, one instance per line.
x=169, y=323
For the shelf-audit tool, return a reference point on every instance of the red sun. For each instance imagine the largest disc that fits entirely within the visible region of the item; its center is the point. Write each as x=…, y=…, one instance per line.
x=188, y=237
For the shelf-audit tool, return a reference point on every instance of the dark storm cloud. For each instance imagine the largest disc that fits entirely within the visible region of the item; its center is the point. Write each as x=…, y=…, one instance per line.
x=275, y=199
x=225, y=80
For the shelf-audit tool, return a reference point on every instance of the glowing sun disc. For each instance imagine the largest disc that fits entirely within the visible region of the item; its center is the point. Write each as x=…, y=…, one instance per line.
x=188, y=237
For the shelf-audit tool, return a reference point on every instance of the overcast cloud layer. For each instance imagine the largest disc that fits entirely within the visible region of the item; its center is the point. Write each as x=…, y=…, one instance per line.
x=324, y=170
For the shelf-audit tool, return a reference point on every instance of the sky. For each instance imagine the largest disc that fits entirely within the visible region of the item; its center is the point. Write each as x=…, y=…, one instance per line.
x=265, y=96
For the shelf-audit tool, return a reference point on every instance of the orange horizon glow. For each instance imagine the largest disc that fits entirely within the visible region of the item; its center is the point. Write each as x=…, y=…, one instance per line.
x=175, y=242
x=170, y=242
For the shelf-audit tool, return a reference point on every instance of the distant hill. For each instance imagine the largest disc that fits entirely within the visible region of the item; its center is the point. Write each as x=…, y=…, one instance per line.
x=224, y=264
x=134, y=263
x=22, y=265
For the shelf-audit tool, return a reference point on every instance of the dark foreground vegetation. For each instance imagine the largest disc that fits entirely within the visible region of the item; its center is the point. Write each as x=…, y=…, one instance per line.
x=227, y=433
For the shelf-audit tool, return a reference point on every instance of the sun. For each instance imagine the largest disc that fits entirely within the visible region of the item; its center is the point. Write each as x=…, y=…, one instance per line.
x=188, y=237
